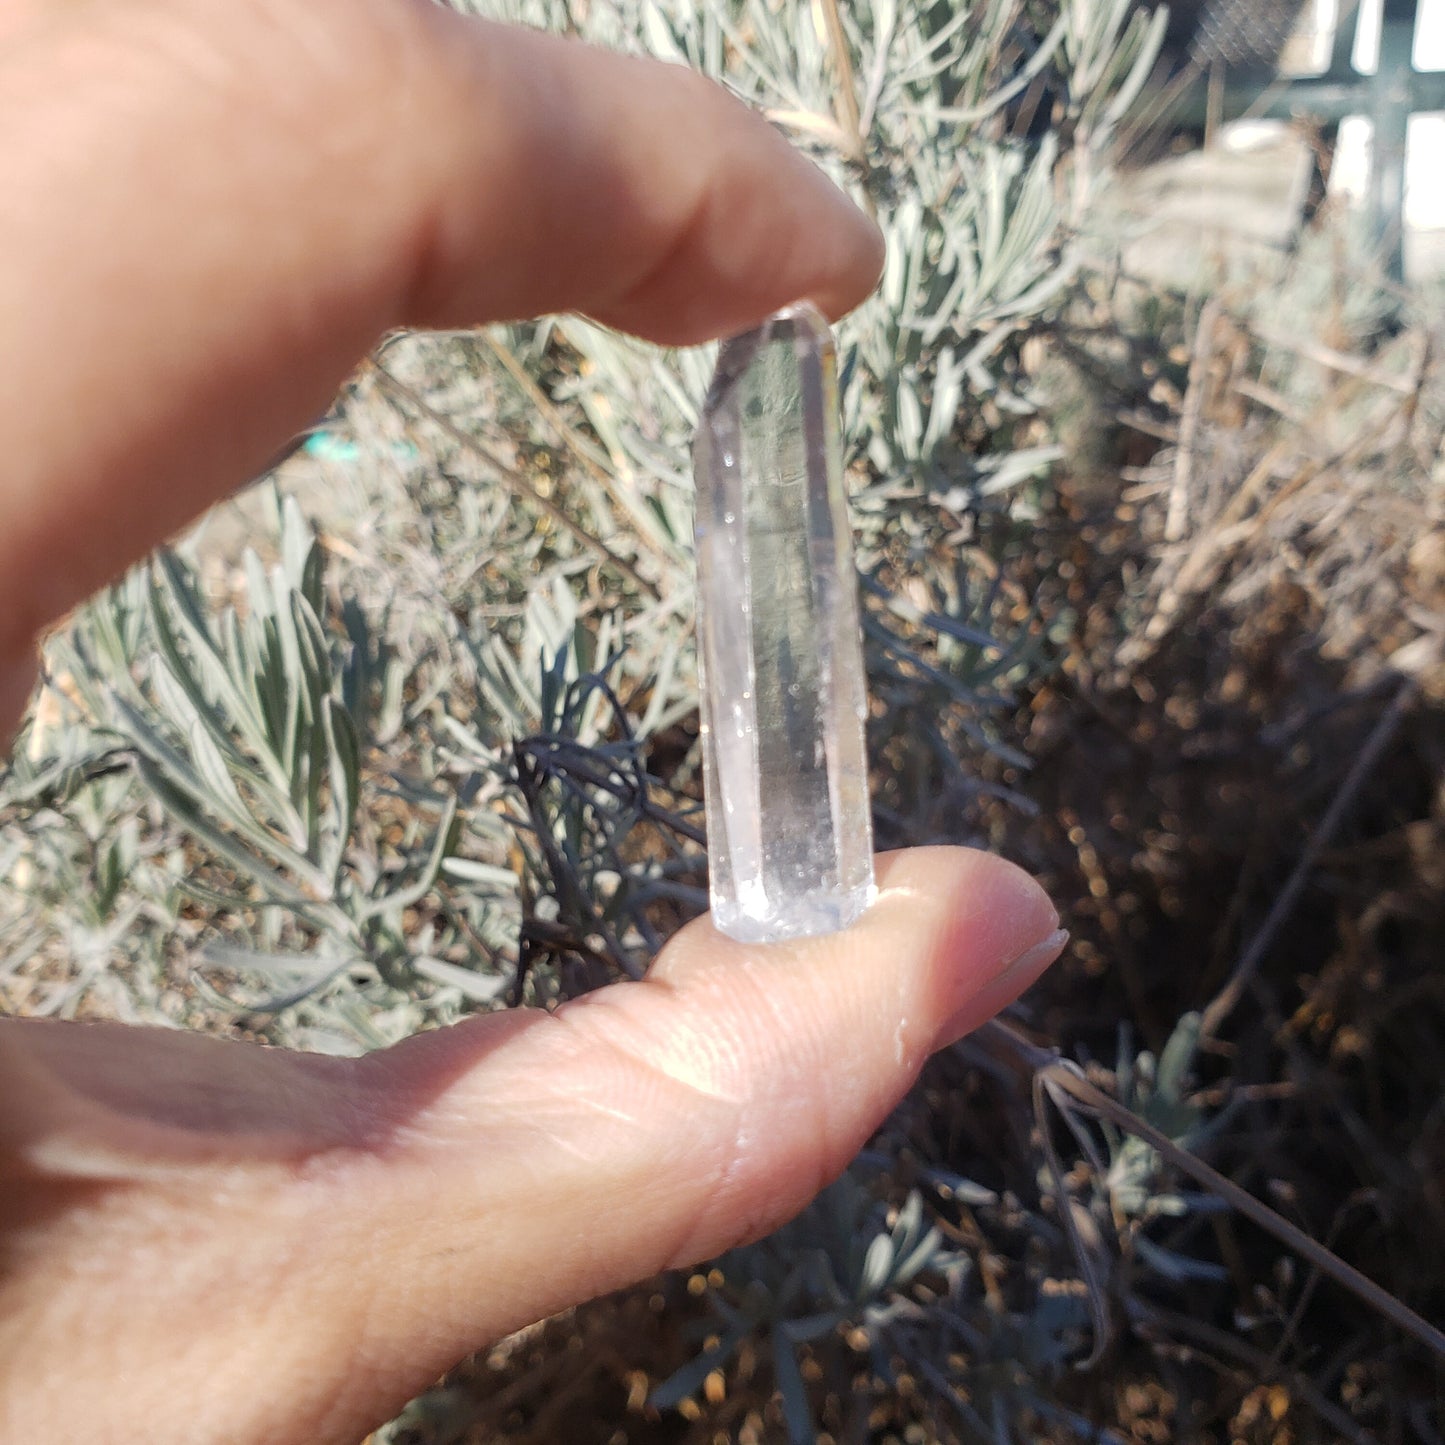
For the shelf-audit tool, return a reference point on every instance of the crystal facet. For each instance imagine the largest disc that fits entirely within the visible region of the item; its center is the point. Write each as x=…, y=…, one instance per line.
x=783, y=694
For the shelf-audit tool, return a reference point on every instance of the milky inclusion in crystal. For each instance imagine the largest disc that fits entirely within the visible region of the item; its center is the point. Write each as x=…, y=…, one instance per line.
x=790, y=838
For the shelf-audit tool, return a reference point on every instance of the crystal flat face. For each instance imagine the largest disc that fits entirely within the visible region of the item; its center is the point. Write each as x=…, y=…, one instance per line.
x=790, y=839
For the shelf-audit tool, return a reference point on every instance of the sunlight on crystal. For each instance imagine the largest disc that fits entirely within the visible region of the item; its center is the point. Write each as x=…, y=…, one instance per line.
x=784, y=699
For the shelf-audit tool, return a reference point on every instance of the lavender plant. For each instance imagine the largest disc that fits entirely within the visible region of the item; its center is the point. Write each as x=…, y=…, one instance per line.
x=455, y=764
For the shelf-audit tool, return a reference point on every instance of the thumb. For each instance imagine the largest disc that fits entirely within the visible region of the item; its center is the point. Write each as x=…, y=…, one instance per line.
x=396, y=1212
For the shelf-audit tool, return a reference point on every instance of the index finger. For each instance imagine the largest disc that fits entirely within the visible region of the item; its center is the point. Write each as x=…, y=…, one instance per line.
x=217, y=208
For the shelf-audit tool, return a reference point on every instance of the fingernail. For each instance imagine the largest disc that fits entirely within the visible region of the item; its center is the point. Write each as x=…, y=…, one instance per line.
x=1003, y=988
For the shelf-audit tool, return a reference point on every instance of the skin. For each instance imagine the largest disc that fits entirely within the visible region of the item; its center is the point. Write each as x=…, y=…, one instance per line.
x=212, y=208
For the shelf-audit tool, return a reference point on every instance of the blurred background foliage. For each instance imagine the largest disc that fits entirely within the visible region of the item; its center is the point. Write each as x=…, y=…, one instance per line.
x=1153, y=585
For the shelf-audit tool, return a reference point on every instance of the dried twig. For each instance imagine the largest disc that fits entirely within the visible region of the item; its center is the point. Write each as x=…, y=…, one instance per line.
x=577, y=444
x=1223, y=1003
x=1190, y=571
x=1062, y=1079
x=1175, y=520
x=846, y=96
x=511, y=477
x=1341, y=361
x=1162, y=1324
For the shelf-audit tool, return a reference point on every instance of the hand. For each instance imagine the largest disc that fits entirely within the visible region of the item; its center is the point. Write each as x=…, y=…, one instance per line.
x=213, y=207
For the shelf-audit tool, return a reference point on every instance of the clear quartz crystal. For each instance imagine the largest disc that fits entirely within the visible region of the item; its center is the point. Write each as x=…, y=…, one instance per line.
x=783, y=694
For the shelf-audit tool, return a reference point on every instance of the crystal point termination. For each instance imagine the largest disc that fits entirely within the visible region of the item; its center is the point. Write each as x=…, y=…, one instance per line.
x=783, y=695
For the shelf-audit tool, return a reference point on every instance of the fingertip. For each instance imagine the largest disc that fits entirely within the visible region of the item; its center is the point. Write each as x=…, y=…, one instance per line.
x=765, y=228
x=942, y=949
x=860, y=264
x=993, y=931
x=822, y=1036
x=965, y=914
x=989, y=909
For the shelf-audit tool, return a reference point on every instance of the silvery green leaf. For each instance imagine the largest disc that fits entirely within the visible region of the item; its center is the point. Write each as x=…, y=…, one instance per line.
x=219, y=953
x=250, y=866
x=690, y=1378
x=797, y=1412
x=478, y=987
x=918, y=1256
x=877, y=1266
x=1178, y=1267
x=1147, y=38
x=301, y=557
x=802, y=1329
x=261, y=601
x=344, y=773
x=218, y=678
x=442, y=844
x=469, y=870
x=213, y=769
